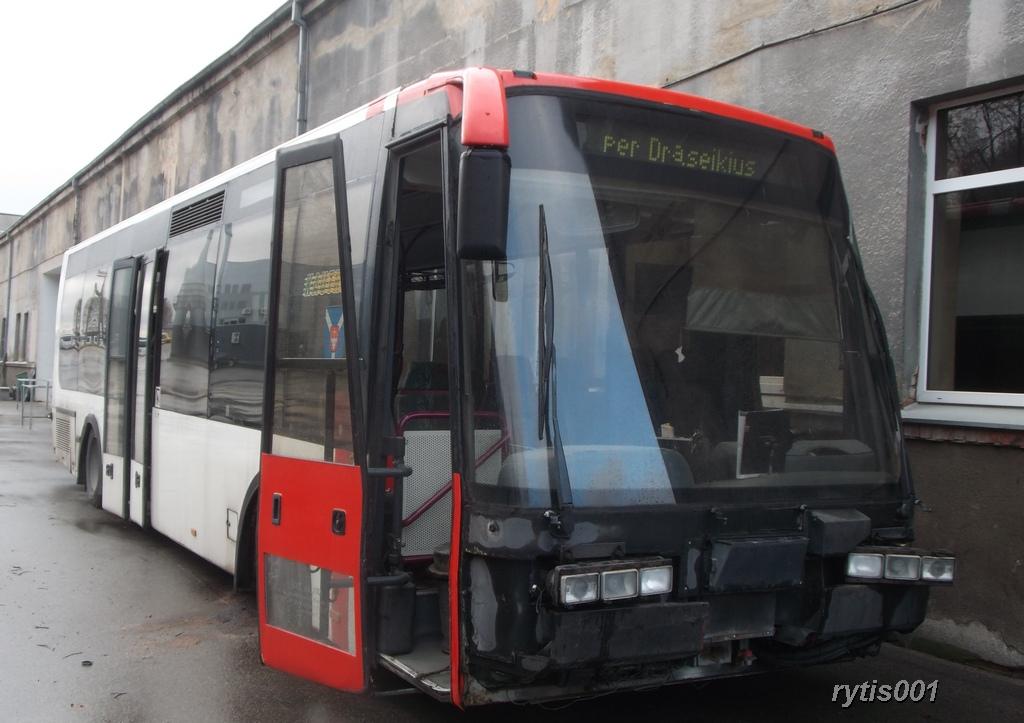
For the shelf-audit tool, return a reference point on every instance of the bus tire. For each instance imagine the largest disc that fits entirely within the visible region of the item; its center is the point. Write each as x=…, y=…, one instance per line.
x=92, y=471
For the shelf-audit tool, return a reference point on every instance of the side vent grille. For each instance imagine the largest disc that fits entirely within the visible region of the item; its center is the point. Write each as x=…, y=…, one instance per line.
x=62, y=433
x=200, y=213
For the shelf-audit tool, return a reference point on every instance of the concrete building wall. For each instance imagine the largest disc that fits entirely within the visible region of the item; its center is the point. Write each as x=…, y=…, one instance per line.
x=864, y=71
x=972, y=496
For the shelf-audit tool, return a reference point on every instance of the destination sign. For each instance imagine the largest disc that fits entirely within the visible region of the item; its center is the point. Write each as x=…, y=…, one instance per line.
x=322, y=283
x=691, y=151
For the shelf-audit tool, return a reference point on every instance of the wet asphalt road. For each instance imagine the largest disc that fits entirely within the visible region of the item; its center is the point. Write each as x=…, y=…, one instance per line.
x=166, y=639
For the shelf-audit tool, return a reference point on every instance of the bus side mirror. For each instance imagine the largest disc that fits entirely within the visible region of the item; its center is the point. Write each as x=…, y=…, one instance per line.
x=482, y=221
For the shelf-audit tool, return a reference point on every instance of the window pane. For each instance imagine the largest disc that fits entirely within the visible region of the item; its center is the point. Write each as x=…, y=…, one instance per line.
x=92, y=347
x=312, y=419
x=188, y=306
x=118, y=339
x=70, y=329
x=311, y=601
x=977, y=302
x=141, y=361
x=239, y=337
x=362, y=147
x=980, y=137
x=310, y=272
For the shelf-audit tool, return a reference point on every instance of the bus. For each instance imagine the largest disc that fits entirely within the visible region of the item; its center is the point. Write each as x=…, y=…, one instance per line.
x=514, y=386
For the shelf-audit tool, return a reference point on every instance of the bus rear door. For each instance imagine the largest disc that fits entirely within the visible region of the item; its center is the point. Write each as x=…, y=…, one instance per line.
x=310, y=528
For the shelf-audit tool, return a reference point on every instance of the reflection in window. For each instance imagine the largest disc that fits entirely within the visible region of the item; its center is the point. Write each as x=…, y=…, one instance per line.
x=975, y=315
x=239, y=335
x=312, y=419
x=69, y=332
x=118, y=340
x=362, y=144
x=92, y=342
x=187, y=309
x=981, y=137
x=977, y=320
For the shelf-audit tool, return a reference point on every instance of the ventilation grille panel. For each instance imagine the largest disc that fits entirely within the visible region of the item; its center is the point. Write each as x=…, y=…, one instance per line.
x=62, y=433
x=200, y=213
x=62, y=439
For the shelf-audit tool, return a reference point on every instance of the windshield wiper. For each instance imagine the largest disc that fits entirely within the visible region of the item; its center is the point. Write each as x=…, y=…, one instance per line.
x=560, y=518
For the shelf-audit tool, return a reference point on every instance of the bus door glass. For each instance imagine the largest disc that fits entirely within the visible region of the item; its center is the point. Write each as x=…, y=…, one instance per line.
x=311, y=485
x=138, y=477
x=118, y=400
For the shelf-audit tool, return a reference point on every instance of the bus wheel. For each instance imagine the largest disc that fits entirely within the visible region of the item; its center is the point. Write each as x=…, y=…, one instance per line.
x=94, y=471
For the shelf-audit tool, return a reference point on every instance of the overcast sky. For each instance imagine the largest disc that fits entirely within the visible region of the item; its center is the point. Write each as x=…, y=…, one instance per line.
x=76, y=74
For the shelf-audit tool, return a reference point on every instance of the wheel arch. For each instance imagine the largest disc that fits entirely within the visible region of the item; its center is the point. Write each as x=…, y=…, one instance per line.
x=90, y=429
x=245, y=549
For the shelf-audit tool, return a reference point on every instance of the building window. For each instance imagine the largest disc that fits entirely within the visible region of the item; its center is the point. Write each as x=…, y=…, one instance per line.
x=17, y=337
x=973, y=340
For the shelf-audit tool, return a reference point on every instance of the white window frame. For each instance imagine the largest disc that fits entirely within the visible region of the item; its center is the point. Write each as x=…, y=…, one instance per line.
x=933, y=188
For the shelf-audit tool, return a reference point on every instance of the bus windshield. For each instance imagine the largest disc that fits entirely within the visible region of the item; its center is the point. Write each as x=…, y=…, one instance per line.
x=710, y=340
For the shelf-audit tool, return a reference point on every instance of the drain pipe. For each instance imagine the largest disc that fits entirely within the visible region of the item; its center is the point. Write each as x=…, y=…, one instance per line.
x=7, y=309
x=301, y=98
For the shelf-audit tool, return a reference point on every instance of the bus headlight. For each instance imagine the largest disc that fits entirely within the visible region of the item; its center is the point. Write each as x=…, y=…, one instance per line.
x=618, y=584
x=609, y=580
x=578, y=589
x=937, y=569
x=902, y=567
x=655, y=580
x=864, y=564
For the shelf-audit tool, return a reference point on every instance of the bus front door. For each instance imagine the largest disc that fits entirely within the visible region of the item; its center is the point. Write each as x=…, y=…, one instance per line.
x=118, y=397
x=311, y=584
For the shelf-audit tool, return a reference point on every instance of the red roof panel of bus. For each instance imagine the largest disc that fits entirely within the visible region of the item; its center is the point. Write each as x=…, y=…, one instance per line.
x=479, y=119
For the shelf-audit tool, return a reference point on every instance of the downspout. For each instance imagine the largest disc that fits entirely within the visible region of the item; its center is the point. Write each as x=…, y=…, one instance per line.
x=7, y=308
x=76, y=221
x=301, y=97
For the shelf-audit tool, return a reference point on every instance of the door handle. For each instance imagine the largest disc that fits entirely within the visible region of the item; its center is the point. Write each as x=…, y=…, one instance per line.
x=110, y=470
x=275, y=509
x=338, y=522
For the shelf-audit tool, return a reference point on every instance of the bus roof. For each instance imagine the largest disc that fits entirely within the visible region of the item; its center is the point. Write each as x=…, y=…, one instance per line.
x=507, y=79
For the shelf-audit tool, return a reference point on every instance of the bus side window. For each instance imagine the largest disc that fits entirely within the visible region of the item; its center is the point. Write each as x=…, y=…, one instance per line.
x=240, y=327
x=188, y=307
x=92, y=351
x=69, y=336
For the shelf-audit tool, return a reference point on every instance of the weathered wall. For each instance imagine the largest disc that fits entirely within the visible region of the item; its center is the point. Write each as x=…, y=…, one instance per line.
x=972, y=505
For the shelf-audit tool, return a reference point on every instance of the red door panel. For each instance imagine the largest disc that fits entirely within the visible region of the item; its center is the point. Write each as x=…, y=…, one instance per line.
x=310, y=619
